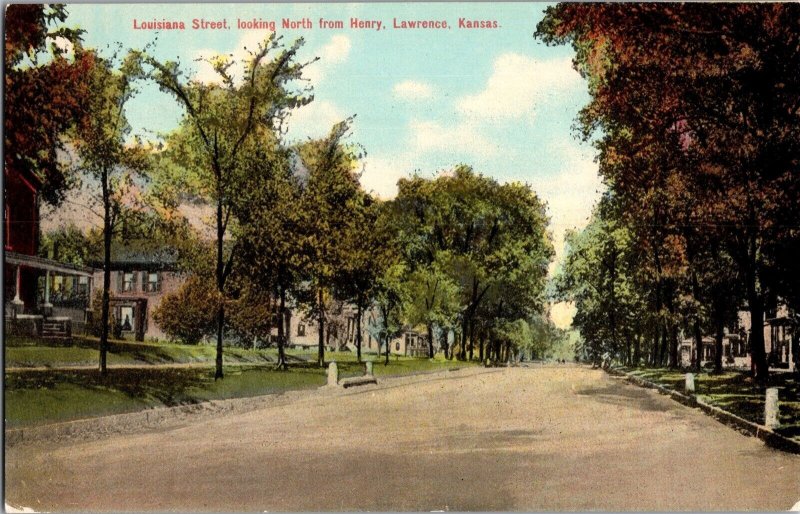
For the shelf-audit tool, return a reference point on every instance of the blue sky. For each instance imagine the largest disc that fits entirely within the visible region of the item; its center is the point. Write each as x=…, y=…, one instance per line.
x=424, y=100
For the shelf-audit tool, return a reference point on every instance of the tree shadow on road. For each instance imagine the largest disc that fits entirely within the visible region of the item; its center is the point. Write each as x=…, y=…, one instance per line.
x=619, y=395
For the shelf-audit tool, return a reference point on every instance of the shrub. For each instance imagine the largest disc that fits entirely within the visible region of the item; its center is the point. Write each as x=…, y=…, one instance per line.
x=190, y=313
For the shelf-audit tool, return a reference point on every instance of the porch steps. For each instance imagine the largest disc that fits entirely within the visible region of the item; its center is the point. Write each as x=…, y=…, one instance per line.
x=56, y=329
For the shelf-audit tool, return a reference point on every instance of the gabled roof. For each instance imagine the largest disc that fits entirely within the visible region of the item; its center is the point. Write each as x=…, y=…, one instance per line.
x=140, y=256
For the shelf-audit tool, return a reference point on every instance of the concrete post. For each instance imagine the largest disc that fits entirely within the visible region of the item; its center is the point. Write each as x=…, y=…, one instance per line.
x=333, y=374
x=771, y=408
x=369, y=368
x=689, y=387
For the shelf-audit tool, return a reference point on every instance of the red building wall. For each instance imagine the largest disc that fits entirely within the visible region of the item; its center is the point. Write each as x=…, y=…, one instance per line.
x=21, y=212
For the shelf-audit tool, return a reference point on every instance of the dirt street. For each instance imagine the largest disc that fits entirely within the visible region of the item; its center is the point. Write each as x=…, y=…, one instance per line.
x=543, y=438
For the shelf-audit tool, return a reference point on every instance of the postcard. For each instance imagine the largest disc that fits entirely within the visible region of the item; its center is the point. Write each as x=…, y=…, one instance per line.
x=401, y=257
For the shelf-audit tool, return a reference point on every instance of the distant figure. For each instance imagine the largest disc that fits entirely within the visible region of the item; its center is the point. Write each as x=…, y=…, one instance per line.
x=126, y=325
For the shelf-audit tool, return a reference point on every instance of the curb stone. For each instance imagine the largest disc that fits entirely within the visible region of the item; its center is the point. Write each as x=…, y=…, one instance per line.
x=769, y=436
x=88, y=429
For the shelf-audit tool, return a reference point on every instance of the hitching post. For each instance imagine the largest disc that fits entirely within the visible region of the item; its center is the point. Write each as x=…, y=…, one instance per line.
x=333, y=374
x=771, y=408
x=689, y=387
x=369, y=368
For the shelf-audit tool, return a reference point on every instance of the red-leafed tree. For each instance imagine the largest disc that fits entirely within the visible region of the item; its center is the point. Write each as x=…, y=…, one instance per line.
x=43, y=99
x=700, y=103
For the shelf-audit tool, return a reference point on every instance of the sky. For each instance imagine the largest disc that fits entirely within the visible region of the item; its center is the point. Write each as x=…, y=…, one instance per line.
x=425, y=100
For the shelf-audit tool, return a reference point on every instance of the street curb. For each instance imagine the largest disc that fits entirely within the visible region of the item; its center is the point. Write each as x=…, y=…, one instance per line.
x=770, y=437
x=82, y=430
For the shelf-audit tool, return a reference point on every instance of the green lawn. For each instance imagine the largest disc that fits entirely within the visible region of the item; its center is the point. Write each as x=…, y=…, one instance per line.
x=38, y=397
x=735, y=392
x=33, y=353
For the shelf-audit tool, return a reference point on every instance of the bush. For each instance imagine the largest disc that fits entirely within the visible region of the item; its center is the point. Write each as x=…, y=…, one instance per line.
x=114, y=328
x=190, y=313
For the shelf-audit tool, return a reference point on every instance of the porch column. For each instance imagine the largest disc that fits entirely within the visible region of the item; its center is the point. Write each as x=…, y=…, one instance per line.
x=47, y=305
x=17, y=301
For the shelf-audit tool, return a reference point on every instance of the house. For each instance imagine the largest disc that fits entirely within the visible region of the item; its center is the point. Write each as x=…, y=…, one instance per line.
x=41, y=297
x=780, y=336
x=341, y=333
x=781, y=340
x=140, y=278
x=734, y=351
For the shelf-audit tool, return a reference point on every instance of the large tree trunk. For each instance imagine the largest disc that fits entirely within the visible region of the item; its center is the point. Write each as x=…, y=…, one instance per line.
x=471, y=338
x=720, y=333
x=388, y=342
x=105, y=307
x=220, y=289
x=637, y=350
x=462, y=352
x=282, y=331
x=698, y=334
x=321, y=324
x=758, y=354
x=358, y=332
x=482, y=339
x=698, y=344
x=430, y=340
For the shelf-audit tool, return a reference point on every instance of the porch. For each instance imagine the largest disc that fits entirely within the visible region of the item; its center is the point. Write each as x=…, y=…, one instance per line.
x=45, y=298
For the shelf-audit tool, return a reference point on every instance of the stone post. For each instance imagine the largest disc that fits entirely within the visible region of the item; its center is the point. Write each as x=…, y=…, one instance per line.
x=771, y=408
x=333, y=374
x=369, y=368
x=689, y=387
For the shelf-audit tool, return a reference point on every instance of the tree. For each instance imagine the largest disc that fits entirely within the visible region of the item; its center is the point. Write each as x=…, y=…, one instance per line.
x=271, y=260
x=483, y=233
x=188, y=313
x=101, y=145
x=70, y=244
x=44, y=100
x=331, y=196
x=432, y=299
x=716, y=92
x=219, y=121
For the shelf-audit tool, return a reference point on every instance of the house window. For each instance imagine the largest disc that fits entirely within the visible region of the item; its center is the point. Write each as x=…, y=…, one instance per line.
x=83, y=286
x=301, y=330
x=127, y=282
x=153, y=283
x=397, y=346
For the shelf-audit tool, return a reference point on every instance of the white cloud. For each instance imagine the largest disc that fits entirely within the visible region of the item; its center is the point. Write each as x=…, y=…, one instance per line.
x=517, y=85
x=314, y=120
x=456, y=138
x=570, y=195
x=381, y=174
x=335, y=52
x=561, y=314
x=412, y=90
x=63, y=44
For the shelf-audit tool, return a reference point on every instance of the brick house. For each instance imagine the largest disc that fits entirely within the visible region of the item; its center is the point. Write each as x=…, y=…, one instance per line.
x=140, y=278
x=41, y=297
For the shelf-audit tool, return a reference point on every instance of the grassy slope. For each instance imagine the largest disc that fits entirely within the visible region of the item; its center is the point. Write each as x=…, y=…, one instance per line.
x=38, y=397
x=734, y=392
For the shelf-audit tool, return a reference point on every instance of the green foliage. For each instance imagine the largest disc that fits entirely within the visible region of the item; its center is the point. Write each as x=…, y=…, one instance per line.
x=71, y=245
x=487, y=242
x=188, y=314
x=207, y=156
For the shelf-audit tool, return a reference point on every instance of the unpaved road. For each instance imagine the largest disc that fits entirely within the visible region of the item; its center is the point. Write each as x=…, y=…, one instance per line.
x=546, y=438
